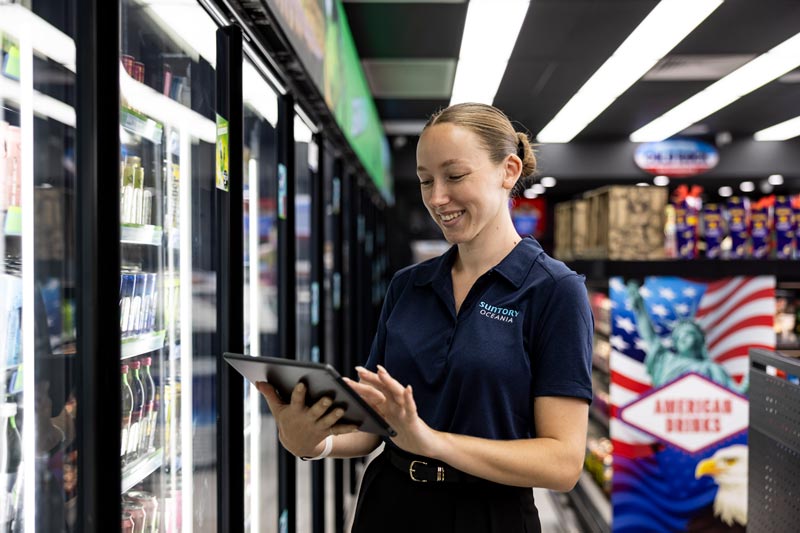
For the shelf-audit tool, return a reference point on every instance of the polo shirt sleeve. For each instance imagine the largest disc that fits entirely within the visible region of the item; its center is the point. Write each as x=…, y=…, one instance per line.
x=561, y=358
x=378, y=350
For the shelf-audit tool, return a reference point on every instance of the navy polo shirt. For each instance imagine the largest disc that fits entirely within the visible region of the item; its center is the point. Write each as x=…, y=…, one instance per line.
x=524, y=330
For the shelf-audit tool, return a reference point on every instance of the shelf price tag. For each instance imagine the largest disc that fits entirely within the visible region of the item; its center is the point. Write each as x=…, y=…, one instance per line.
x=222, y=153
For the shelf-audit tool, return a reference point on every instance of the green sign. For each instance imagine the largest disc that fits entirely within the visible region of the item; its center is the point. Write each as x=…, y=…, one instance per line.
x=223, y=166
x=320, y=35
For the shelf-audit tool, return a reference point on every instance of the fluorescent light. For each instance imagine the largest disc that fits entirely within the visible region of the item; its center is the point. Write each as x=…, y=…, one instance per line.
x=157, y=106
x=537, y=188
x=747, y=186
x=302, y=133
x=642, y=184
x=490, y=33
x=188, y=22
x=666, y=26
x=16, y=21
x=725, y=191
x=661, y=181
x=780, y=132
x=258, y=94
x=775, y=179
x=746, y=79
x=548, y=181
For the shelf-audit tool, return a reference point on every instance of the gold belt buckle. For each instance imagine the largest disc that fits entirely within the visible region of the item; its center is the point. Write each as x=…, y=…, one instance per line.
x=411, y=471
x=439, y=472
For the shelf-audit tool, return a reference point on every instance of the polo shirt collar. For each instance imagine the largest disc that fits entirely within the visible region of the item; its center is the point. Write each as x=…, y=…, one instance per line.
x=514, y=267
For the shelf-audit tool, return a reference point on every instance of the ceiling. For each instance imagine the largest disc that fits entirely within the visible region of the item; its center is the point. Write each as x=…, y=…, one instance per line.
x=409, y=50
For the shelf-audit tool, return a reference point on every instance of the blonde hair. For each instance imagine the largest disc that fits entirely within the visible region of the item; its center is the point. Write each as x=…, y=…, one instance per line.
x=495, y=133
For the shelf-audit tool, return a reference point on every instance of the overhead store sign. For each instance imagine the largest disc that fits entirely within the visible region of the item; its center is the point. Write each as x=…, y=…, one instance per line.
x=320, y=35
x=676, y=158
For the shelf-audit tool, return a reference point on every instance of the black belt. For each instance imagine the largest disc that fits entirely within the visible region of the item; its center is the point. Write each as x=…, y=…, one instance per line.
x=424, y=470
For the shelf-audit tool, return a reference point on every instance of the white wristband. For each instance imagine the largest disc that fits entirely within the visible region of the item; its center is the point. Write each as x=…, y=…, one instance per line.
x=326, y=451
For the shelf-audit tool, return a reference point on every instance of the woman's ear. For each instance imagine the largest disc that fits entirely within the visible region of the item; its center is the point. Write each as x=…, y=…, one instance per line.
x=512, y=166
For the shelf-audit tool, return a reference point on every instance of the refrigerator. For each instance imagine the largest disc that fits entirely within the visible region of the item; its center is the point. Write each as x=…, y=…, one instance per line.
x=116, y=171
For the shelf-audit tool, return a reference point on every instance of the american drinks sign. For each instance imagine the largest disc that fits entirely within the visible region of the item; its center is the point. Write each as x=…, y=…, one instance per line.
x=691, y=413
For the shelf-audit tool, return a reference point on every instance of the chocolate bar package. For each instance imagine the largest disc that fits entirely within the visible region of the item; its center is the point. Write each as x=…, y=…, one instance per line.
x=761, y=227
x=713, y=225
x=687, y=218
x=738, y=224
x=785, y=228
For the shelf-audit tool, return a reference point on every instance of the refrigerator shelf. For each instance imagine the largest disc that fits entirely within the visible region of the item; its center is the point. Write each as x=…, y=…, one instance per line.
x=141, y=125
x=141, y=234
x=142, y=344
x=137, y=471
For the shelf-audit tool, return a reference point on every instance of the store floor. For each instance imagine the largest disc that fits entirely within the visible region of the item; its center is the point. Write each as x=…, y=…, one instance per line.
x=554, y=512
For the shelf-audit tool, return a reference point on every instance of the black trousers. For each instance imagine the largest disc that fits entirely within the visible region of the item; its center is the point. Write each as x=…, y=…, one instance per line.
x=391, y=502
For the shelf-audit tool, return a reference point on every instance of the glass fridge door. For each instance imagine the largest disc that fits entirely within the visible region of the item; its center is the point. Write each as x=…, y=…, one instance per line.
x=261, y=292
x=167, y=282
x=38, y=360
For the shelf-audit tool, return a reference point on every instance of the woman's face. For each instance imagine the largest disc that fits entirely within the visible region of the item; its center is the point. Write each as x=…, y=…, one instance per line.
x=463, y=190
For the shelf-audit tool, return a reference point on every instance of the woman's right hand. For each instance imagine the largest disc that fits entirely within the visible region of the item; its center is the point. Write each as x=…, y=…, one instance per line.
x=302, y=429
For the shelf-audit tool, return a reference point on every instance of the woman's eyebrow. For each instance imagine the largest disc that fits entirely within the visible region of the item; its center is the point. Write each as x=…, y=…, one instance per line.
x=448, y=163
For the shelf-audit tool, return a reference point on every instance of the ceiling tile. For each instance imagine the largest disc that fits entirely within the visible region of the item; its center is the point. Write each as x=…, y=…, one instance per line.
x=681, y=67
x=410, y=78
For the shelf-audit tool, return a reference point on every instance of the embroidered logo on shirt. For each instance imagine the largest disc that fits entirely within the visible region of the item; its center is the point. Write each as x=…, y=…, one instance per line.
x=498, y=313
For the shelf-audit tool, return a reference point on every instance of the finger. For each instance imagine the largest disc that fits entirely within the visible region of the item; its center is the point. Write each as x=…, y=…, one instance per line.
x=370, y=394
x=271, y=395
x=299, y=395
x=319, y=408
x=411, y=405
x=392, y=385
x=371, y=379
x=331, y=418
x=341, y=429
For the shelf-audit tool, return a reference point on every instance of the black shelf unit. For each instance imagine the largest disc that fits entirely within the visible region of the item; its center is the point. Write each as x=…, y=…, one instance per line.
x=602, y=269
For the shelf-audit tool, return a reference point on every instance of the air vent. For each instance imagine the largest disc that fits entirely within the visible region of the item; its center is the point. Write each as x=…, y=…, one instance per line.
x=695, y=67
x=410, y=78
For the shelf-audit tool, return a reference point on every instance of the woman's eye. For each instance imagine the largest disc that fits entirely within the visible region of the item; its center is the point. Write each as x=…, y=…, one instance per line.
x=456, y=178
x=426, y=183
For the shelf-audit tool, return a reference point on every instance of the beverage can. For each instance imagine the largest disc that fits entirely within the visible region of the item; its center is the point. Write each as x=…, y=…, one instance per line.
x=147, y=207
x=138, y=195
x=150, y=504
x=141, y=320
x=136, y=304
x=138, y=71
x=125, y=298
x=127, y=523
x=138, y=515
x=127, y=63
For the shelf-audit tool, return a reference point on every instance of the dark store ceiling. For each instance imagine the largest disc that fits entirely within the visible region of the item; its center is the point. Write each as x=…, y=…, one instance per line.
x=409, y=51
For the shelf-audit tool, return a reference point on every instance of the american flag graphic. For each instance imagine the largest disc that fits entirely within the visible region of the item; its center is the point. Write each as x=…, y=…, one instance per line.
x=654, y=486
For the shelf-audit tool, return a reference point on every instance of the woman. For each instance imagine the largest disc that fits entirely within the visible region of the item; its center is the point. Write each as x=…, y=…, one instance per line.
x=481, y=361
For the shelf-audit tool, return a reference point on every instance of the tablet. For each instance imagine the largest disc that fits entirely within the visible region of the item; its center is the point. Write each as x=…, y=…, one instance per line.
x=320, y=380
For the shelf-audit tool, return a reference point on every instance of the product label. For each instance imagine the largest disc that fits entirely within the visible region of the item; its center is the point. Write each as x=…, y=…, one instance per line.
x=713, y=231
x=686, y=220
x=760, y=232
x=223, y=167
x=737, y=223
x=785, y=228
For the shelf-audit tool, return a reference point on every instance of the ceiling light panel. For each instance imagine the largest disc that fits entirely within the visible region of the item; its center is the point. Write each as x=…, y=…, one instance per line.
x=666, y=26
x=744, y=80
x=490, y=32
x=780, y=132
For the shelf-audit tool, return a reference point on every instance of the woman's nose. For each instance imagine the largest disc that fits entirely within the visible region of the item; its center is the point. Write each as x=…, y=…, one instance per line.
x=438, y=194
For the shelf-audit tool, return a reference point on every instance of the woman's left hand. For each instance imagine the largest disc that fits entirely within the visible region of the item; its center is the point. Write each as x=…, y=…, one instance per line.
x=396, y=405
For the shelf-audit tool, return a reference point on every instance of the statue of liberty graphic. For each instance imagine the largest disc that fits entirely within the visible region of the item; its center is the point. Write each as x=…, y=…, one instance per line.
x=688, y=352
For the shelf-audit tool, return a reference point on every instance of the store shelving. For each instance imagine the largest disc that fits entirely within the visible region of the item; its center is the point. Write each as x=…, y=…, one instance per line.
x=141, y=234
x=140, y=469
x=602, y=269
x=592, y=506
x=142, y=344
